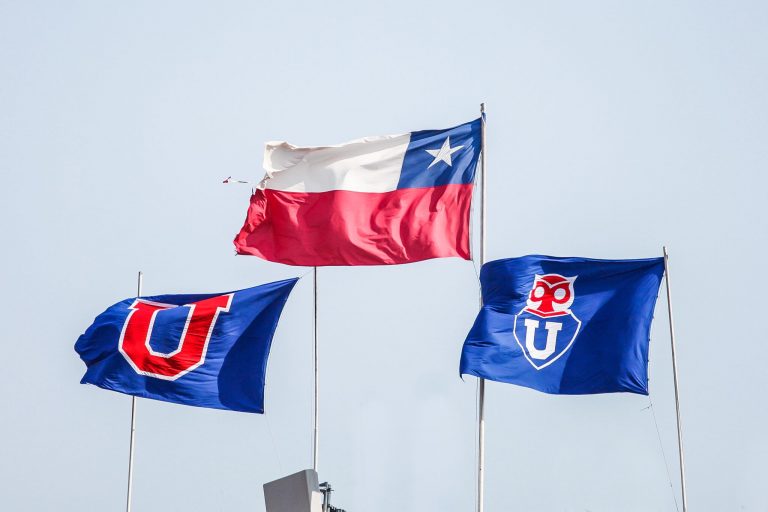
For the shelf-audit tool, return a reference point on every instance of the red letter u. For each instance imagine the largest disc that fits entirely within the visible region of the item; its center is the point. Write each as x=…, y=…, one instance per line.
x=193, y=345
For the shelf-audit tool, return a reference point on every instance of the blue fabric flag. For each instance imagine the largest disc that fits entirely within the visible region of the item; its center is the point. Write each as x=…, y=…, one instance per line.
x=203, y=350
x=565, y=325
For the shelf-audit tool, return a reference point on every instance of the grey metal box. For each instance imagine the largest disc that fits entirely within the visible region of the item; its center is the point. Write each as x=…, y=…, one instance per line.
x=298, y=492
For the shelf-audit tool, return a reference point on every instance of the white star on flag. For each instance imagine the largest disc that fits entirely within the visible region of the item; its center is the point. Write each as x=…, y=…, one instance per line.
x=444, y=153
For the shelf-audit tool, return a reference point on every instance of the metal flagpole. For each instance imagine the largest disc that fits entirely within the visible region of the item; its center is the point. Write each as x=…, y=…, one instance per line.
x=133, y=426
x=315, y=437
x=481, y=389
x=674, y=376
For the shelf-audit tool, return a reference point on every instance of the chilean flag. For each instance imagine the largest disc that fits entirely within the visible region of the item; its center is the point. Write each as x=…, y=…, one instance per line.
x=372, y=201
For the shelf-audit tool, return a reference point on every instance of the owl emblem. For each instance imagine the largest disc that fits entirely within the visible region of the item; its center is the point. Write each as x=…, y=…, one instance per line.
x=551, y=295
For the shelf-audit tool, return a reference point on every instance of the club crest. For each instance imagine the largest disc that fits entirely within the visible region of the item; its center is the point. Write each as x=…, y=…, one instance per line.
x=546, y=327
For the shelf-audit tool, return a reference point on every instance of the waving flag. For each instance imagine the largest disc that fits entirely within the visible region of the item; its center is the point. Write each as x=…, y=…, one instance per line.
x=565, y=325
x=201, y=350
x=373, y=201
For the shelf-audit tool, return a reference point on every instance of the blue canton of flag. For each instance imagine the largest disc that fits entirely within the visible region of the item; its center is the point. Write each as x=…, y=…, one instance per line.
x=565, y=325
x=203, y=350
x=441, y=157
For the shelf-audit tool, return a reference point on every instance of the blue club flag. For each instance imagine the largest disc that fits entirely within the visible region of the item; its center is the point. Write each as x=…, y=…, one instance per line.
x=567, y=326
x=202, y=350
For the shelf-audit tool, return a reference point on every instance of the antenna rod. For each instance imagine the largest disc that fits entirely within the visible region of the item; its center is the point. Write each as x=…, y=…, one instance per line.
x=674, y=377
x=316, y=416
x=133, y=424
x=481, y=388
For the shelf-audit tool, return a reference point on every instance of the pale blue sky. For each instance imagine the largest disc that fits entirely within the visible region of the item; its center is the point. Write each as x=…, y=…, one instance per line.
x=613, y=128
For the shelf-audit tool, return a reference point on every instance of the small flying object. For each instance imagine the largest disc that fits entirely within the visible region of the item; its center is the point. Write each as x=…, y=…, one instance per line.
x=230, y=180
